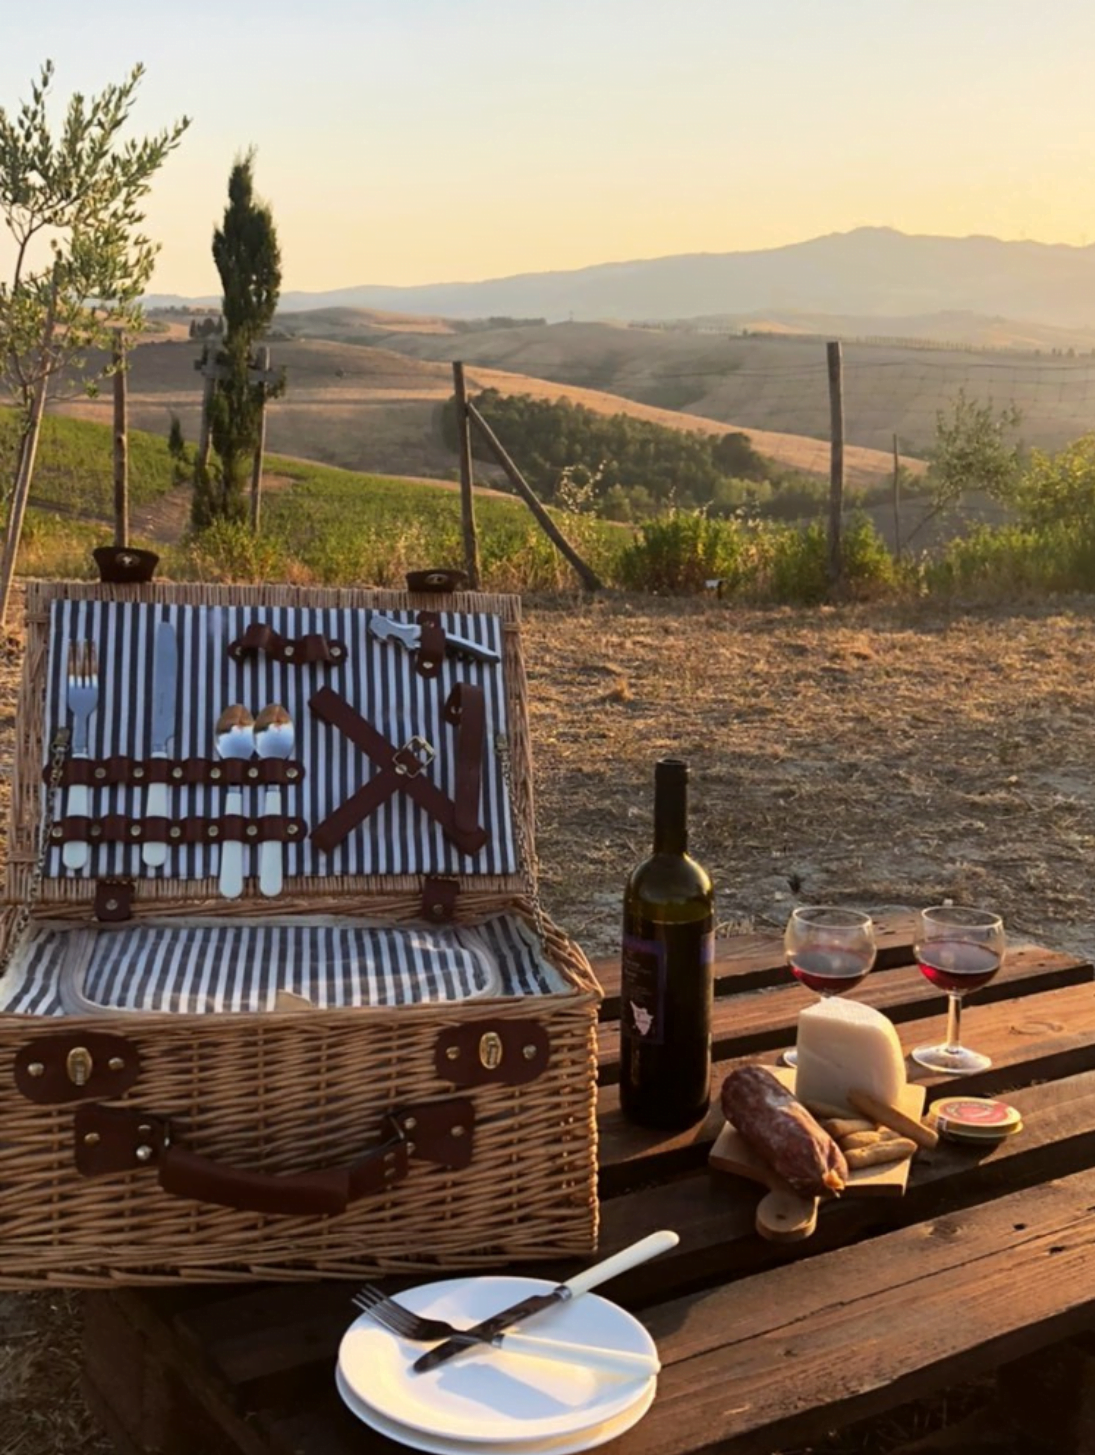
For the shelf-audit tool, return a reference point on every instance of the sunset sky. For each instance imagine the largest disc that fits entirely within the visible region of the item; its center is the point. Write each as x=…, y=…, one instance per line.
x=412, y=141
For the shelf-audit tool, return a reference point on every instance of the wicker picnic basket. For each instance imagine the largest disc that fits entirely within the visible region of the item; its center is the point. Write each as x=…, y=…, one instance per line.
x=381, y=1058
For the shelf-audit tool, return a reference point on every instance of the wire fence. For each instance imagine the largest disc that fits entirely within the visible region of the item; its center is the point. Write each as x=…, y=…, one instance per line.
x=377, y=407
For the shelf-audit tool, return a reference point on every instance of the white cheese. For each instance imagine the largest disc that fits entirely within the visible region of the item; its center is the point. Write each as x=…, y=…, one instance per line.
x=845, y=1045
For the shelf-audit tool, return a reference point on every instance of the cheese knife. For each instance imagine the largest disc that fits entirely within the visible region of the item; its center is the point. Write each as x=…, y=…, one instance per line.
x=165, y=673
x=489, y=1329
x=409, y=636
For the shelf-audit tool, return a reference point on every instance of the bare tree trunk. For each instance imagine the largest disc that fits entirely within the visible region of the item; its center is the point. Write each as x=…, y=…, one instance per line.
x=18, y=507
x=260, y=444
x=467, y=496
x=836, y=461
x=589, y=578
x=121, y=444
x=896, y=500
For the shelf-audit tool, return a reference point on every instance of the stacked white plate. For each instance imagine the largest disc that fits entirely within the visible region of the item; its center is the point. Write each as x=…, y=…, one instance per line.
x=491, y=1401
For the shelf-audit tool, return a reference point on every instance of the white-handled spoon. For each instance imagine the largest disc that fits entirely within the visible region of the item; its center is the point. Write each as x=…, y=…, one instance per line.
x=274, y=738
x=235, y=738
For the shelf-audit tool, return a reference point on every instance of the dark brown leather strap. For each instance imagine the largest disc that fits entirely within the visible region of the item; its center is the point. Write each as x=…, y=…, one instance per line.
x=112, y=1139
x=400, y=770
x=117, y=828
x=430, y=654
x=441, y=580
x=179, y=772
x=466, y=709
x=301, y=652
x=114, y=900
x=75, y=1065
x=439, y=899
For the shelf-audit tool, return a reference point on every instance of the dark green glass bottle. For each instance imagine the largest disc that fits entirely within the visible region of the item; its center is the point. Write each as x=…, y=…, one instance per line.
x=666, y=972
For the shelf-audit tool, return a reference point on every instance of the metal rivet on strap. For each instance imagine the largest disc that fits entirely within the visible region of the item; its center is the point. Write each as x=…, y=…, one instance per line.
x=336, y=651
x=36, y=1069
x=135, y=831
x=176, y=772
x=213, y=831
x=427, y=663
x=409, y=1123
x=458, y=1131
x=252, y=830
x=96, y=831
x=410, y=1149
x=57, y=832
x=452, y=1052
x=290, y=650
x=292, y=774
x=253, y=772
x=144, y=1130
x=111, y=904
x=174, y=832
x=92, y=1139
x=138, y=772
x=215, y=774
x=143, y=1153
x=100, y=772
x=529, y=1052
x=437, y=909
x=293, y=830
x=116, y=1063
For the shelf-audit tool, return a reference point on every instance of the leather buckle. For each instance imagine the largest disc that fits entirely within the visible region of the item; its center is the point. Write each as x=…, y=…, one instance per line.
x=415, y=755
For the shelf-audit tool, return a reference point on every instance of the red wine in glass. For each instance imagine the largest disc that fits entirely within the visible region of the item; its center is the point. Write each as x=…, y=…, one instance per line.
x=830, y=972
x=958, y=966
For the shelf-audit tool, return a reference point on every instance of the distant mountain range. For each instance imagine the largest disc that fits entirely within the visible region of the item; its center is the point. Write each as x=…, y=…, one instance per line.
x=871, y=272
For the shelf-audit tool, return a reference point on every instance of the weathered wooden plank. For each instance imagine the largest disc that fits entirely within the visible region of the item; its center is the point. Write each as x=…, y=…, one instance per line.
x=756, y=961
x=1037, y=1037
x=765, y=1020
x=803, y=1348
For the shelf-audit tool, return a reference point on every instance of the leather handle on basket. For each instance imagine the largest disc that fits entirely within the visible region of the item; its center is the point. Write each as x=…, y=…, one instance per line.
x=112, y=1139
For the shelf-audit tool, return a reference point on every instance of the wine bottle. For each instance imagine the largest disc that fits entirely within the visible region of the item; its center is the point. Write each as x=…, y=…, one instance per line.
x=666, y=979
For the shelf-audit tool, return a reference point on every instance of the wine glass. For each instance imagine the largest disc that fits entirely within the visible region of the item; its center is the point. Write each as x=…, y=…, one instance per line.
x=958, y=950
x=829, y=950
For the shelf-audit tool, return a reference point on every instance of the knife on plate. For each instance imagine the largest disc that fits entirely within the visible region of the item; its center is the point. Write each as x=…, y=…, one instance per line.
x=409, y=636
x=489, y=1329
x=165, y=673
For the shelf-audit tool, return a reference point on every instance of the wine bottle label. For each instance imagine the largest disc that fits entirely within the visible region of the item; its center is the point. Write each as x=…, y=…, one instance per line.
x=643, y=977
x=642, y=990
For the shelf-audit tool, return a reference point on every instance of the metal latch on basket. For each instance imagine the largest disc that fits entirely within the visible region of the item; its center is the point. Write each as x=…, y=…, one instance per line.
x=496, y=1052
x=51, y=1070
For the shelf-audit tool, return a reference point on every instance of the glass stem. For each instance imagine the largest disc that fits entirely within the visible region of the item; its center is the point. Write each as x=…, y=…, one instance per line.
x=954, y=1022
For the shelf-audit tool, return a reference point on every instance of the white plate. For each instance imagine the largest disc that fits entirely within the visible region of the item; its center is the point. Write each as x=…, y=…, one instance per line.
x=495, y=1397
x=435, y=1445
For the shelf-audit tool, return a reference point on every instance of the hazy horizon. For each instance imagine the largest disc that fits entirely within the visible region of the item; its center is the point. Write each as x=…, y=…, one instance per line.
x=403, y=142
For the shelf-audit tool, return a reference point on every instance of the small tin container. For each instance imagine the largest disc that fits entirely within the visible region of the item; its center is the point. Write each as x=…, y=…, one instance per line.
x=975, y=1119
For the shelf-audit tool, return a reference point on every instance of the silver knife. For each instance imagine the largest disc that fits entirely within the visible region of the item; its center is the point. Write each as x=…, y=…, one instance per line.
x=485, y=1332
x=165, y=680
x=409, y=635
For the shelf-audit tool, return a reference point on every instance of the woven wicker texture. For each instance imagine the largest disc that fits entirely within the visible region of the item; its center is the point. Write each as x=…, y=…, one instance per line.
x=291, y=1092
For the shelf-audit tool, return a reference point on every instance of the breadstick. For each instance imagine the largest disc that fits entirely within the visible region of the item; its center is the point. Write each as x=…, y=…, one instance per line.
x=870, y=1139
x=894, y=1151
x=824, y=1109
x=839, y=1127
x=891, y=1117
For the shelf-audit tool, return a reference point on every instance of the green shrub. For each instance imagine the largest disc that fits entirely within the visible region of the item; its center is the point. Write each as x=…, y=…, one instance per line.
x=679, y=553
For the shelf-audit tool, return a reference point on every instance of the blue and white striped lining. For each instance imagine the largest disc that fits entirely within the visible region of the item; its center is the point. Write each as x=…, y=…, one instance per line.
x=209, y=968
x=378, y=680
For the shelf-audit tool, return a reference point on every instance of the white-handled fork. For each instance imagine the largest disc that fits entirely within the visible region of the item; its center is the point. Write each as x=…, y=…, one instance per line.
x=83, y=699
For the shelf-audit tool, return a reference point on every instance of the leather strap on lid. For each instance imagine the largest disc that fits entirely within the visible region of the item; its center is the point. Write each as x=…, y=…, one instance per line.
x=431, y=647
x=401, y=769
x=261, y=637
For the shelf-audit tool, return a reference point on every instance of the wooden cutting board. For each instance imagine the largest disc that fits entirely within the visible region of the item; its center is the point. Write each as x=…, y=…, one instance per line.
x=784, y=1215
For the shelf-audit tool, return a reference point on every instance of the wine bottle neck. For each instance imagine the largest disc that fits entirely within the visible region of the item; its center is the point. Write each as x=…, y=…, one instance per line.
x=670, y=817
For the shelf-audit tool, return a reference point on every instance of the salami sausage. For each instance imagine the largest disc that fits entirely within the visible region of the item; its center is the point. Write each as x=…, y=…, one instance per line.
x=777, y=1126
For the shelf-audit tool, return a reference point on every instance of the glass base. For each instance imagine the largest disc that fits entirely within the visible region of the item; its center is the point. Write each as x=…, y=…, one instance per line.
x=789, y=1058
x=954, y=1060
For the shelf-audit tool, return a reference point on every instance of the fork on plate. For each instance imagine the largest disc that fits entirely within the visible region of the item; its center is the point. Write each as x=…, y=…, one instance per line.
x=419, y=1329
x=83, y=699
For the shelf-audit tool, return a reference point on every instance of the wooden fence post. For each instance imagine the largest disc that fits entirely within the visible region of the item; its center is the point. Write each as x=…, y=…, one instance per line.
x=589, y=578
x=260, y=443
x=121, y=444
x=896, y=500
x=836, y=460
x=467, y=494
x=18, y=507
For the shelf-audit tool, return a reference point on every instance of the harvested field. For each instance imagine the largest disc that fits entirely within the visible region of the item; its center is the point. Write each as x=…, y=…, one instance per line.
x=864, y=756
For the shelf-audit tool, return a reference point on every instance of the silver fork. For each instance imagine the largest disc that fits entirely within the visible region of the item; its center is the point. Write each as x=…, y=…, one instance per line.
x=83, y=699
x=399, y=1320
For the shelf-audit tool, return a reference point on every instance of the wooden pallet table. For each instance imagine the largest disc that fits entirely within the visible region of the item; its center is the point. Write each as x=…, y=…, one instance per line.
x=989, y=1257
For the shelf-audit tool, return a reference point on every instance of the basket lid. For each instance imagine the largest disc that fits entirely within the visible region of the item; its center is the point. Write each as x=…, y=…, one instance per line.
x=330, y=745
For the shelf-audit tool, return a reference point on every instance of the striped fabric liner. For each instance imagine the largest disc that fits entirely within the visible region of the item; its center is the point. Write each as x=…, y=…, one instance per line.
x=378, y=680
x=241, y=967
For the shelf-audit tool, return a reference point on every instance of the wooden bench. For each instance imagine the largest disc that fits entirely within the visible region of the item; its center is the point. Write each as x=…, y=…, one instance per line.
x=988, y=1257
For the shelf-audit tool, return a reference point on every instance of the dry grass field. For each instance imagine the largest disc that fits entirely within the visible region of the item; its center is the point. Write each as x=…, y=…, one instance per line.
x=864, y=756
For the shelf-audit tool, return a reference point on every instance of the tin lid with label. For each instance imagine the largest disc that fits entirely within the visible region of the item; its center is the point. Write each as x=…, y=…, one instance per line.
x=975, y=1118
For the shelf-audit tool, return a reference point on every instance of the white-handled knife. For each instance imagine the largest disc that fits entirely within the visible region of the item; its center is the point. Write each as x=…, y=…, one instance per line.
x=409, y=636
x=165, y=681
x=486, y=1331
